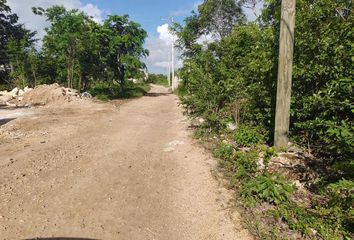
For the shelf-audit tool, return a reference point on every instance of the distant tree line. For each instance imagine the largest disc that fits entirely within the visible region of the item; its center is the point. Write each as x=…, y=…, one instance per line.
x=159, y=79
x=76, y=50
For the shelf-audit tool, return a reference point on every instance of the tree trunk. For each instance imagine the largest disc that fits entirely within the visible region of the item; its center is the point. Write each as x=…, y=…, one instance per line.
x=35, y=77
x=72, y=73
x=121, y=73
x=121, y=79
x=12, y=70
x=79, y=85
x=68, y=73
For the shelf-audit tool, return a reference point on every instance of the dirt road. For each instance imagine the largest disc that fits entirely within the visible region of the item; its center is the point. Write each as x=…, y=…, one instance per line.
x=104, y=172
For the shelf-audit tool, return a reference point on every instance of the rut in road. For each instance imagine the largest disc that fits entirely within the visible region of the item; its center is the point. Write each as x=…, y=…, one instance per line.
x=107, y=173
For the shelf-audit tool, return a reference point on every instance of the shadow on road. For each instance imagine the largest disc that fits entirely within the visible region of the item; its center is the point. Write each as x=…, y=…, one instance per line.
x=6, y=120
x=156, y=94
x=60, y=238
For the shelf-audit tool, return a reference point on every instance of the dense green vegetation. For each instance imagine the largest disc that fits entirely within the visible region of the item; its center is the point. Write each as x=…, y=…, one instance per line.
x=106, y=90
x=233, y=81
x=159, y=79
x=12, y=33
x=76, y=51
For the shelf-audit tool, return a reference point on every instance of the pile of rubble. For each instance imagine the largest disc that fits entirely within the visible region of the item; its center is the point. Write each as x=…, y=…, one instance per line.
x=40, y=96
x=6, y=97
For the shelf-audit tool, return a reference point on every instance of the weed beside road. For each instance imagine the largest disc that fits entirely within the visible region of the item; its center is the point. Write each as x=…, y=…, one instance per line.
x=282, y=195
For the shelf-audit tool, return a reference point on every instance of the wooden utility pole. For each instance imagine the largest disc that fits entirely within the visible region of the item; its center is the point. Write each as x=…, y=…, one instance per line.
x=286, y=50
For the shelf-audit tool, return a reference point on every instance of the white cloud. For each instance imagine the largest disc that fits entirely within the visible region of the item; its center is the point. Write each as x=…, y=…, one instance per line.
x=160, y=51
x=93, y=11
x=23, y=8
x=252, y=12
x=165, y=34
x=205, y=39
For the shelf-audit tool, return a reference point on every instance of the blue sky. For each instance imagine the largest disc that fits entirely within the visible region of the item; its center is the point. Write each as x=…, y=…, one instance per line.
x=147, y=12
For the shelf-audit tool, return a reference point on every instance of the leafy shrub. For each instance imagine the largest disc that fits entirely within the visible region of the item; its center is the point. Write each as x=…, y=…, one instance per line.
x=108, y=90
x=245, y=164
x=213, y=121
x=104, y=90
x=224, y=151
x=322, y=99
x=267, y=187
x=102, y=97
x=319, y=222
x=341, y=194
x=133, y=90
x=240, y=70
x=3, y=87
x=158, y=79
x=343, y=168
x=268, y=154
x=248, y=136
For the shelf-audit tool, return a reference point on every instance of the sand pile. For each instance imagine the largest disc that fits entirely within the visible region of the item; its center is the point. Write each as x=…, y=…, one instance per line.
x=42, y=95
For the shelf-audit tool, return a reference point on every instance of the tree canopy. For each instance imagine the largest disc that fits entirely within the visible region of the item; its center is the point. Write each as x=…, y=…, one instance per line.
x=75, y=50
x=12, y=35
x=215, y=18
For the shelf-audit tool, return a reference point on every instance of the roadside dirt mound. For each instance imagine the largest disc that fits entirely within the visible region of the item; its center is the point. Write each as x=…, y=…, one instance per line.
x=52, y=94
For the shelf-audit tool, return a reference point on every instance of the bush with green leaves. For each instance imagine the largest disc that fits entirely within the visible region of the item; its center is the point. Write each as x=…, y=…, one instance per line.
x=238, y=75
x=245, y=164
x=318, y=221
x=322, y=90
x=247, y=136
x=232, y=75
x=224, y=151
x=323, y=76
x=341, y=199
x=158, y=79
x=104, y=90
x=108, y=90
x=267, y=187
x=268, y=154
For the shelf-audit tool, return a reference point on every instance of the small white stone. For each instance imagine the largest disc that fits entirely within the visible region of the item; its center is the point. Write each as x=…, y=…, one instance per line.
x=14, y=92
x=231, y=126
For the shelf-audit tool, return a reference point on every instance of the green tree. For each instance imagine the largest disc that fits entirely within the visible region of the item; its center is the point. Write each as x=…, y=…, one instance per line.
x=125, y=46
x=34, y=61
x=14, y=41
x=188, y=35
x=215, y=18
x=65, y=40
x=321, y=107
x=158, y=79
x=7, y=25
x=219, y=17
